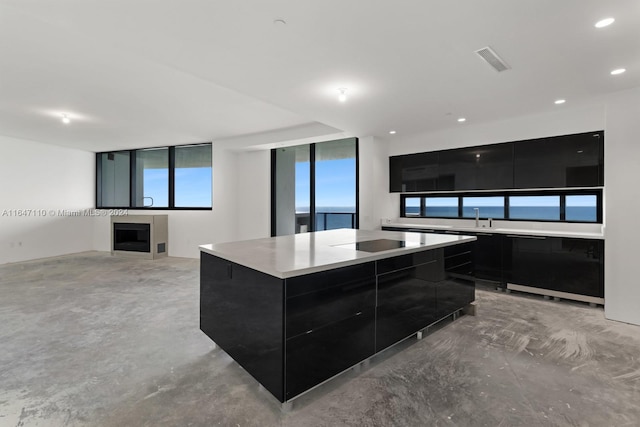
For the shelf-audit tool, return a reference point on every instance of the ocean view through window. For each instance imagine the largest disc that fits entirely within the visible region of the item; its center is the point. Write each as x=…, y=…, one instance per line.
x=314, y=187
x=544, y=205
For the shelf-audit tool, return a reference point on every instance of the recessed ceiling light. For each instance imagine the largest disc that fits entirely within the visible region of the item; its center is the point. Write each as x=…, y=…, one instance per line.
x=343, y=94
x=604, y=22
x=559, y=101
x=462, y=119
x=65, y=119
x=618, y=71
x=392, y=132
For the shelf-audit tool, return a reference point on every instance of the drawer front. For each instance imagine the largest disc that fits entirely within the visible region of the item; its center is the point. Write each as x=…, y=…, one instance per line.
x=317, y=356
x=351, y=275
x=405, y=261
x=310, y=311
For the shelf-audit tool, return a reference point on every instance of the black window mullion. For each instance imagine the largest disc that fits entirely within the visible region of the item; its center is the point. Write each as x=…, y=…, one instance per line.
x=312, y=190
x=563, y=207
x=460, y=206
x=99, y=180
x=172, y=177
x=506, y=207
x=423, y=207
x=132, y=180
x=356, y=222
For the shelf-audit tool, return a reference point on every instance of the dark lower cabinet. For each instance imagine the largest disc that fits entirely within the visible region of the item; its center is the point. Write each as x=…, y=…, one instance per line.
x=293, y=334
x=561, y=264
x=406, y=302
x=571, y=265
x=318, y=355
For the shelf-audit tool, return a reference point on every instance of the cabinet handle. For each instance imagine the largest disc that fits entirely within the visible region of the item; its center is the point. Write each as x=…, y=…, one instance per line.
x=527, y=237
x=451, y=232
x=484, y=234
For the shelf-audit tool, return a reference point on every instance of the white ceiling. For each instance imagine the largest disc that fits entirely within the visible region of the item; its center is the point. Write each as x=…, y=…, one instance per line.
x=154, y=72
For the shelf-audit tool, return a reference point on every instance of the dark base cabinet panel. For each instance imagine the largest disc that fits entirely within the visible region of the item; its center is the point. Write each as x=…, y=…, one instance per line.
x=320, y=354
x=406, y=304
x=453, y=294
x=241, y=310
x=562, y=264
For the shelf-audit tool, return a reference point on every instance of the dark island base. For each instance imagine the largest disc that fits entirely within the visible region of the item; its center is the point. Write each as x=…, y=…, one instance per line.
x=293, y=334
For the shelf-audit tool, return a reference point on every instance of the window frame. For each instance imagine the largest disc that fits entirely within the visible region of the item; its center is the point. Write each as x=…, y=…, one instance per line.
x=562, y=193
x=171, y=164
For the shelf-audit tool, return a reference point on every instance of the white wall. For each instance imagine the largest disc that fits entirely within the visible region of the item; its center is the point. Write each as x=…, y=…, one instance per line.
x=48, y=179
x=375, y=200
x=253, y=207
x=622, y=178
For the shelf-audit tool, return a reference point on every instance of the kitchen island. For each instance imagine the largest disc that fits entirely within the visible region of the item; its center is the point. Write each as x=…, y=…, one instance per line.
x=294, y=311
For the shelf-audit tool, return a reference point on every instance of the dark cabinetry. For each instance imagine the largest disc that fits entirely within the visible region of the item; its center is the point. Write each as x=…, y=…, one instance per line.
x=329, y=324
x=555, y=162
x=484, y=167
x=292, y=334
x=413, y=172
x=563, y=161
x=561, y=264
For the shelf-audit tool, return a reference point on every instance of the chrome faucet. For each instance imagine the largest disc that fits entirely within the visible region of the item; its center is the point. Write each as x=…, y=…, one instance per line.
x=477, y=211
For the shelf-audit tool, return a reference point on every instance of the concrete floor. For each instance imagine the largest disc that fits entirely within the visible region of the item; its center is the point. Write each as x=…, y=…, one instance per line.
x=91, y=339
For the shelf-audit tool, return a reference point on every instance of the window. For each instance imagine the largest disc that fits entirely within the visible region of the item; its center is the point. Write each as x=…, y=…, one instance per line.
x=582, y=205
x=446, y=207
x=412, y=206
x=152, y=178
x=583, y=208
x=314, y=187
x=488, y=207
x=193, y=184
x=176, y=177
x=113, y=185
x=534, y=207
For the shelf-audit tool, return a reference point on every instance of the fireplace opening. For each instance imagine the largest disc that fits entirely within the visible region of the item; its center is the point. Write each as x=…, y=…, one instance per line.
x=131, y=237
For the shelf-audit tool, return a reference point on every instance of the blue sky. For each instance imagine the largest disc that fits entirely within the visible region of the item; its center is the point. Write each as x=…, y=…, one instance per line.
x=192, y=187
x=335, y=184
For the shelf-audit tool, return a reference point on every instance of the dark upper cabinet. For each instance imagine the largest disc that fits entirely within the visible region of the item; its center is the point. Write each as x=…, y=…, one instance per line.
x=555, y=162
x=485, y=167
x=561, y=161
x=457, y=169
x=413, y=172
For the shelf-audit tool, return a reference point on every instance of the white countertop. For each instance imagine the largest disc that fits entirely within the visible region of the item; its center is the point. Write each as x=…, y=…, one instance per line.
x=498, y=230
x=295, y=255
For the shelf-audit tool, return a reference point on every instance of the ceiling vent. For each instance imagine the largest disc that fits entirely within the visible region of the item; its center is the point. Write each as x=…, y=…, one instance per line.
x=492, y=59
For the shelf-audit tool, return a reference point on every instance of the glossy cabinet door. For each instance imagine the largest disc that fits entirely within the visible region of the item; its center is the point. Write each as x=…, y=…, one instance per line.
x=457, y=169
x=406, y=301
x=562, y=161
x=494, y=166
x=577, y=266
x=528, y=261
x=488, y=257
x=413, y=172
x=557, y=263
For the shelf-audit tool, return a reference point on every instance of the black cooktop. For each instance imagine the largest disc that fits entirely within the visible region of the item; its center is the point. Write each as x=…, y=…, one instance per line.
x=379, y=245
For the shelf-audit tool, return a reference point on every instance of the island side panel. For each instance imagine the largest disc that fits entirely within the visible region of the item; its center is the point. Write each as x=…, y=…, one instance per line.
x=242, y=311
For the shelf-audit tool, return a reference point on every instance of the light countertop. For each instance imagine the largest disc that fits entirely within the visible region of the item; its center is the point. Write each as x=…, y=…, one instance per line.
x=498, y=230
x=295, y=255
